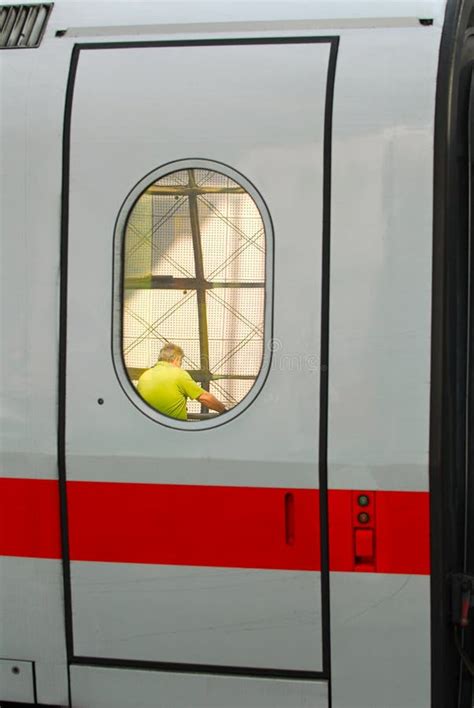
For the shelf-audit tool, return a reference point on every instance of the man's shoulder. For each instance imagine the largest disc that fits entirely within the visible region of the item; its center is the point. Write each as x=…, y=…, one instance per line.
x=168, y=373
x=183, y=374
x=147, y=374
x=150, y=373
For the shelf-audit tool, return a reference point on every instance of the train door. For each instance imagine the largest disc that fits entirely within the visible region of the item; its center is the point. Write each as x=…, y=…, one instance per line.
x=197, y=543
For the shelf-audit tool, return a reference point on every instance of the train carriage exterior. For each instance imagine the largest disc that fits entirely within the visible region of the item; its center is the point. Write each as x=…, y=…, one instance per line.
x=282, y=189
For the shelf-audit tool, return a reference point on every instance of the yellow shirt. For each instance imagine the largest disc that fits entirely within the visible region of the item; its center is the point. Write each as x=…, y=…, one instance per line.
x=167, y=387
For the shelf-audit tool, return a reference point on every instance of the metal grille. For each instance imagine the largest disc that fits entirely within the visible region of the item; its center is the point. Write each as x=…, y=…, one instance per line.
x=23, y=26
x=194, y=274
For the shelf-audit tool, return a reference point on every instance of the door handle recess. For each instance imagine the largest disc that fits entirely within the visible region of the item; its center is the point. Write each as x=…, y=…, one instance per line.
x=289, y=518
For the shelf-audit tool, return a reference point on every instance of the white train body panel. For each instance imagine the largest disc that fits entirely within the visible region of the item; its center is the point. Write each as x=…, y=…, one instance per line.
x=327, y=110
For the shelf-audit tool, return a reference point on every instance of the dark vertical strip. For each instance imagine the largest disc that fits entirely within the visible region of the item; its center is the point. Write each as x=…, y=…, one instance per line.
x=35, y=687
x=466, y=684
x=200, y=283
x=324, y=361
x=447, y=445
x=467, y=567
x=439, y=662
x=63, y=355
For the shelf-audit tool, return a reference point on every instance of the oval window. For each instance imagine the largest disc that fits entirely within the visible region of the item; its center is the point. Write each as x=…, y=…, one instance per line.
x=194, y=278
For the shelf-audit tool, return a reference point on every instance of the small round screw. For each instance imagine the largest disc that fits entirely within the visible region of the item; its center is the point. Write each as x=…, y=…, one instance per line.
x=100, y=401
x=15, y=670
x=363, y=500
x=363, y=518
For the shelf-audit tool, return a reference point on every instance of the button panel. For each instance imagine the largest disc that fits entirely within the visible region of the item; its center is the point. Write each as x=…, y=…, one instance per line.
x=364, y=530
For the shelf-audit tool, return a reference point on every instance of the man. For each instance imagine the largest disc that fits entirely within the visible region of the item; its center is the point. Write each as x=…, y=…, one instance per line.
x=167, y=386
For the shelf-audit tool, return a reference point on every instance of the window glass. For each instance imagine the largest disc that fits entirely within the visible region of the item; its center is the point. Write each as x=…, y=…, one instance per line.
x=194, y=276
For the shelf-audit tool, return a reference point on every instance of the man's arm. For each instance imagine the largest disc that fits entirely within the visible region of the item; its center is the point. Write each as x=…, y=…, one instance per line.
x=210, y=401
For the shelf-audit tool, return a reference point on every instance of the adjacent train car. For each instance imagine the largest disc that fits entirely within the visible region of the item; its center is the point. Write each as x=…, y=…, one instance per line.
x=283, y=190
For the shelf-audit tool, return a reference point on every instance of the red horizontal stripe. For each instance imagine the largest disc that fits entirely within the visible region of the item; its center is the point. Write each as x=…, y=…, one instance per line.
x=244, y=527
x=237, y=527
x=402, y=532
x=29, y=518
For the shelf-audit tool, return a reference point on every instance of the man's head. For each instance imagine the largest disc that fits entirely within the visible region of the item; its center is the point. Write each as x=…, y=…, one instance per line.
x=171, y=353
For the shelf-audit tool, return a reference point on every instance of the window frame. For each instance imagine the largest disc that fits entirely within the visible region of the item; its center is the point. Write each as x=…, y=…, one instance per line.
x=118, y=293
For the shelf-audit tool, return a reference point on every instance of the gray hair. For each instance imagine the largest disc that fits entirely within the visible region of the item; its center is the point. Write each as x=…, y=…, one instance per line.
x=170, y=352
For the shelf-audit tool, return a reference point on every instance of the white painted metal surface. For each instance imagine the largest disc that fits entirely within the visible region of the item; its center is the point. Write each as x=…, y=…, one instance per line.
x=381, y=240
x=380, y=641
x=32, y=109
x=197, y=615
x=17, y=680
x=32, y=91
x=251, y=129
x=112, y=688
x=32, y=624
